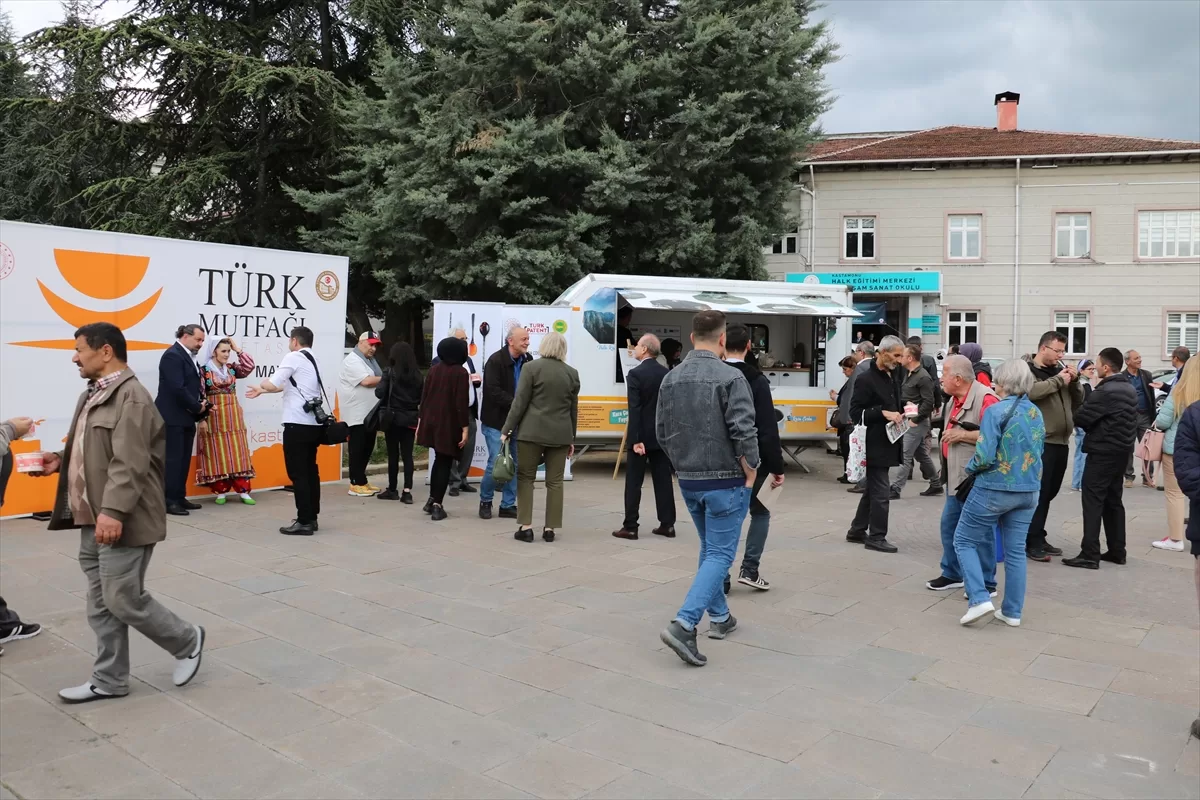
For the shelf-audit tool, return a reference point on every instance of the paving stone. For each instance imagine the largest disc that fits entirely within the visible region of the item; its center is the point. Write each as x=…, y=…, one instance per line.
x=1068, y=670
x=1117, y=776
x=334, y=745
x=645, y=786
x=938, y=701
x=35, y=732
x=262, y=584
x=101, y=772
x=410, y=775
x=554, y=771
x=550, y=716
x=354, y=693
x=265, y=713
x=1001, y=683
x=1140, y=713
x=810, y=783
x=986, y=749
x=768, y=735
x=134, y=716
x=653, y=703
x=901, y=726
x=547, y=672
x=1166, y=688
x=282, y=664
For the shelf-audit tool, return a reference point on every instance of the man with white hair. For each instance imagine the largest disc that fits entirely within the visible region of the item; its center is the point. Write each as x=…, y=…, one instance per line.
x=864, y=354
x=642, y=383
x=501, y=374
x=875, y=404
x=963, y=413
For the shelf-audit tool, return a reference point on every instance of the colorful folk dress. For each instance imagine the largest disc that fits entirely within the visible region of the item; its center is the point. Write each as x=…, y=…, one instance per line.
x=223, y=451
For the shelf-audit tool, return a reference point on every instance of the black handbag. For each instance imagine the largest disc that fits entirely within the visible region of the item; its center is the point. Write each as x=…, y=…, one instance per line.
x=335, y=431
x=963, y=490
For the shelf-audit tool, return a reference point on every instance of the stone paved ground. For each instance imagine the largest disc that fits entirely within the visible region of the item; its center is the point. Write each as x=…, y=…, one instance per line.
x=394, y=657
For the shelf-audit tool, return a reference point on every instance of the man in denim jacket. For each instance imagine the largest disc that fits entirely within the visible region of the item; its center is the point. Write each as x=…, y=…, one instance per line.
x=706, y=426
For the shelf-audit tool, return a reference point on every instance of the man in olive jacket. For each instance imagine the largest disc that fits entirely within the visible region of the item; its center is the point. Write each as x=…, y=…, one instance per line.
x=110, y=488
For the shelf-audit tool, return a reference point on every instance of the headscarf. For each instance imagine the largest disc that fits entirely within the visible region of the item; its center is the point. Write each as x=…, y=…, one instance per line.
x=972, y=351
x=209, y=358
x=452, y=351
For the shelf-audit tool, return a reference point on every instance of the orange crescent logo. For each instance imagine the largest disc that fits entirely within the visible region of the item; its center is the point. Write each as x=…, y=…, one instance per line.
x=74, y=315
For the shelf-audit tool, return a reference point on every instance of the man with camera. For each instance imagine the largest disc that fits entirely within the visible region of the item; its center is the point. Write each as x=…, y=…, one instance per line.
x=304, y=421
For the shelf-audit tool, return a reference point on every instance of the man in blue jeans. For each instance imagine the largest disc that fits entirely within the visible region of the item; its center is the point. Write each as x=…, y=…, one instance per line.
x=501, y=373
x=706, y=426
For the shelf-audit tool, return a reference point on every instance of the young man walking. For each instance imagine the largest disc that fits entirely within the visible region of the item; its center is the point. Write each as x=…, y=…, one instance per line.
x=917, y=389
x=1058, y=394
x=706, y=426
x=1109, y=421
x=737, y=351
x=110, y=488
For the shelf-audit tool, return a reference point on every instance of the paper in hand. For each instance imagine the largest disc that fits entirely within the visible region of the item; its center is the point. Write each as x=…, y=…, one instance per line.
x=768, y=494
x=896, y=430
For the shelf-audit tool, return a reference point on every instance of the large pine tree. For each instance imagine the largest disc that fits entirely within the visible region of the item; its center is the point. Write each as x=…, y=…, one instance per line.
x=520, y=144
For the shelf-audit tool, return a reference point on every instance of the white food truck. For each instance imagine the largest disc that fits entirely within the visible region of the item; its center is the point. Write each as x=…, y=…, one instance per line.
x=799, y=331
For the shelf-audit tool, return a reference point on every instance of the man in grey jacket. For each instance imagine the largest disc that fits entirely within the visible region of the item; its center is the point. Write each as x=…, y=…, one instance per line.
x=706, y=427
x=918, y=390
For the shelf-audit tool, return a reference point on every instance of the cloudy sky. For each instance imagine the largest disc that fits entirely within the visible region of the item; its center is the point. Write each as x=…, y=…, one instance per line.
x=1094, y=66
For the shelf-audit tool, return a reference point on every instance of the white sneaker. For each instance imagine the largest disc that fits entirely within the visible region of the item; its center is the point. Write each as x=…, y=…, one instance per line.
x=1009, y=621
x=1168, y=544
x=975, y=613
x=186, y=668
x=84, y=693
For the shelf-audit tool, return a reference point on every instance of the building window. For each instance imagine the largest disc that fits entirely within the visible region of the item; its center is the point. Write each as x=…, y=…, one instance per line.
x=1169, y=234
x=1073, y=325
x=1073, y=235
x=860, y=237
x=962, y=327
x=788, y=243
x=1183, y=328
x=965, y=232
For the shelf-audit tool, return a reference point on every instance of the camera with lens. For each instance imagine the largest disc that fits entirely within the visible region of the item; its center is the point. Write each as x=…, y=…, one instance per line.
x=315, y=407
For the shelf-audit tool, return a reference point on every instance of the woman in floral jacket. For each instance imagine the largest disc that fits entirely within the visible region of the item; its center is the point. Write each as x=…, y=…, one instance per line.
x=1007, y=466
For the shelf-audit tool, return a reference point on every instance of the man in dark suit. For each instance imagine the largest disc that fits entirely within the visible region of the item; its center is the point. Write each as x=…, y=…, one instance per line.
x=1141, y=380
x=181, y=402
x=876, y=403
x=642, y=383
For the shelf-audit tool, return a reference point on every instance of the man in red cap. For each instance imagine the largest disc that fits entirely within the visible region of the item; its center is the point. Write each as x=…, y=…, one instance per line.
x=356, y=394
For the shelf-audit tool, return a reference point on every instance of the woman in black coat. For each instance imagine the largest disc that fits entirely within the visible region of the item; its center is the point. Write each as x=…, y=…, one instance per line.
x=445, y=415
x=400, y=391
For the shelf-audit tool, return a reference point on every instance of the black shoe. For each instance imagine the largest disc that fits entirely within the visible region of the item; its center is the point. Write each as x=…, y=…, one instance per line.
x=298, y=529
x=406, y=497
x=468, y=488
x=932, y=491
x=857, y=490
x=22, y=630
x=428, y=507
x=388, y=494
x=727, y=585
x=856, y=538
x=485, y=510
x=895, y=495
x=547, y=535
x=880, y=544
x=177, y=511
x=666, y=531
x=1081, y=562
x=754, y=581
x=625, y=533
x=315, y=526
x=453, y=491
x=1038, y=555
x=843, y=479
x=1051, y=550
x=508, y=512
x=190, y=506
x=437, y=513
x=943, y=584
x=683, y=642
x=524, y=535
x=1112, y=559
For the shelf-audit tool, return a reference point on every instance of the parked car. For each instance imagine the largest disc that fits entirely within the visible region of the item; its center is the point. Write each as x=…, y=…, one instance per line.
x=1167, y=378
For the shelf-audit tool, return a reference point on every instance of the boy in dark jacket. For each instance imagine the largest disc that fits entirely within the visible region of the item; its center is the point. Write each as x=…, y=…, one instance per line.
x=1109, y=421
x=876, y=403
x=770, y=450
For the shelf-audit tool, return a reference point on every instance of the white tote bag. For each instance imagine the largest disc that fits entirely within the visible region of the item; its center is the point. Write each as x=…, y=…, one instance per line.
x=856, y=465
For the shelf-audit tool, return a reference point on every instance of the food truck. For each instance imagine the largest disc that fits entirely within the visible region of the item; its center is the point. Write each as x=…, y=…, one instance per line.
x=799, y=333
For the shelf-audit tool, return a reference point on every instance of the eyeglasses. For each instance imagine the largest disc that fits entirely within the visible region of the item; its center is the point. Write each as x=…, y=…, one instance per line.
x=1059, y=353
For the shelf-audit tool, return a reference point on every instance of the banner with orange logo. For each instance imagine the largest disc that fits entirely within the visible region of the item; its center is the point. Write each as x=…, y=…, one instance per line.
x=55, y=280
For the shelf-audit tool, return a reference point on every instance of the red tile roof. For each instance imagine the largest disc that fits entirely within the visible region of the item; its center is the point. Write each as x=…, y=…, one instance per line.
x=959, y=141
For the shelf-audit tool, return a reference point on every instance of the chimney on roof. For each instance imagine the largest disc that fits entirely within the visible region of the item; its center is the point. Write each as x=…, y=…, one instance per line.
x=1006, y=111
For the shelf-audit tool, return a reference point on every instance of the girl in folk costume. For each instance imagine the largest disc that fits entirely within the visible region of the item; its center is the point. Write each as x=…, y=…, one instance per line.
x=221, y=447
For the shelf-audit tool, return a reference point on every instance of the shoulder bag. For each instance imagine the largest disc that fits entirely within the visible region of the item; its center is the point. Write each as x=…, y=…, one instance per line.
x=335, y=431
x=963, y=490
x=1150, y=446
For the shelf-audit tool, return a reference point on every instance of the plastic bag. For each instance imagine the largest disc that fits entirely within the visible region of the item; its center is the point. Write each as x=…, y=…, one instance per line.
x=503, y=469
x=856, y=464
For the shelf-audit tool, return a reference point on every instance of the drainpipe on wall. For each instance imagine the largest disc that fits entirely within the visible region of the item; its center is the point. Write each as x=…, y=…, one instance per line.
x=1016, y=258
x=800, y=253
x=812, y=220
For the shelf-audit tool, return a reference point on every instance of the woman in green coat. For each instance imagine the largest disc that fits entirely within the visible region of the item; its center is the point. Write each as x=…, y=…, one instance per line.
x=544, y=415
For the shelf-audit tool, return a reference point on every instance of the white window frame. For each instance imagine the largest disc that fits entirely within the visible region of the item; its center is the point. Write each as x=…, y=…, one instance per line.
x=1172, y=228
x=782, y=244
x=1065, y=221
x=1067, y=322
x=858, y=229
x=958, y=226
x=961, y=324
x=1186, y=327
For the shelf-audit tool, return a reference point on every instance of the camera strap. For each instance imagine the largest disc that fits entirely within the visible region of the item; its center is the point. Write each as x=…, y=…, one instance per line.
x=317, y=370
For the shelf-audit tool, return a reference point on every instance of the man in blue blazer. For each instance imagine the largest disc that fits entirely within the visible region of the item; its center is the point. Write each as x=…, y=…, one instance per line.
x=181, y=402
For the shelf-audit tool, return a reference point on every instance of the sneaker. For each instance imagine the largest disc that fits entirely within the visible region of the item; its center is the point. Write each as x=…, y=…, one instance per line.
x=1129, y=483
x=1112, y=559
x=186, y=668
x=1162, y=544
x=406, y=497
x=453, y=492
x=932, y=491
x=374, y=489
x=388, y=494
x=437, y=513
x=360, y=491
x=248, y=500
x=1037, y=555
x=84, y=693
x=1012, y=622
x=1051, y=550
x=754, y=581
x=24, y=630
x=719, y=630
x=977, y=612
x=485, y=510
x=683, y=642
x=220, y=500
x=508, y=512
x=428, y=507
x=943, y=584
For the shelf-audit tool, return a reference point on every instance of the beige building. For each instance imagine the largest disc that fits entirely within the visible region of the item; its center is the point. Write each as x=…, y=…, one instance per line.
x=996, y=235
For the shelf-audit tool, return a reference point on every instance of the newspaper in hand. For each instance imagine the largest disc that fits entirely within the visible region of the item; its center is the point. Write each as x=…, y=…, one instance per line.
x=896, y=430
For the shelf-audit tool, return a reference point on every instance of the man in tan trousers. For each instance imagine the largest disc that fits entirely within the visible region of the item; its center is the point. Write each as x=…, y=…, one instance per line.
x=110, y=488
